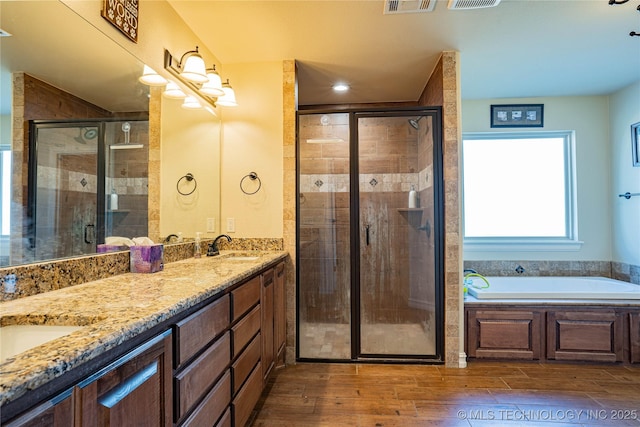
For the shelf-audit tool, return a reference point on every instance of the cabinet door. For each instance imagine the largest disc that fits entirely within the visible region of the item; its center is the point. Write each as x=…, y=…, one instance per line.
x=588, y=336
x=266, y=326
x=135, y=390
x=504, y=334
x=280, y=315
x=634, y=331
x=57, y=412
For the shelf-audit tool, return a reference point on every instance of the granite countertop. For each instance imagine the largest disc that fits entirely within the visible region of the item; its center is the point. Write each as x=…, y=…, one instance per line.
x=114, y=310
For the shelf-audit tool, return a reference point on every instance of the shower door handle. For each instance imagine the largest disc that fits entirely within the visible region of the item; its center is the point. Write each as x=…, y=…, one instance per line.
x=367, y=227
x=89, y=233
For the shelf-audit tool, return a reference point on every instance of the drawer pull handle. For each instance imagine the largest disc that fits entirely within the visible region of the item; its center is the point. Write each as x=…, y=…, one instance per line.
x=114, y=396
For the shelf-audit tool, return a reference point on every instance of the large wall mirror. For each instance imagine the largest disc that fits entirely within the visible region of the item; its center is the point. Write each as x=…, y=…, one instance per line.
x=75, y=160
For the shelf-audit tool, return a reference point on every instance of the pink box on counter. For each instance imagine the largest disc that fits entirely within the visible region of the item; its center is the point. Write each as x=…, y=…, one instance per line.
x=146, y=259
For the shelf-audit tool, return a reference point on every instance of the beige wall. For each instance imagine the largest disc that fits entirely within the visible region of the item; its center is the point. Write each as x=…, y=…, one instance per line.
x=589, y=117
x=190, y=144
x=252, y=135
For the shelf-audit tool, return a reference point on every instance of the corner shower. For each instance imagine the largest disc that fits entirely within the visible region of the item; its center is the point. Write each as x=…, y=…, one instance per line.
x=369, y=266
x=75, y=170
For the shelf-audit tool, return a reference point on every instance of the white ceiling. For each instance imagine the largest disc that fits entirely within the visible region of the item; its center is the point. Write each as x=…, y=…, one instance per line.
x=520, y=48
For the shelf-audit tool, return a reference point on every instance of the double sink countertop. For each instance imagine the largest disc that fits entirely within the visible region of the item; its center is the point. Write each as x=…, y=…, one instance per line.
x=114, y=310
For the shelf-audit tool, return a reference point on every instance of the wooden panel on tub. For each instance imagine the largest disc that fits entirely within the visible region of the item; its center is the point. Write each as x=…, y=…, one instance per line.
x=587, y=336
x=504, y=334
x=634, y=333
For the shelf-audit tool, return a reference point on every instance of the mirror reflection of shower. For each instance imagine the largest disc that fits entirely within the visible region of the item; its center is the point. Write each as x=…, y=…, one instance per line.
x=126, y=128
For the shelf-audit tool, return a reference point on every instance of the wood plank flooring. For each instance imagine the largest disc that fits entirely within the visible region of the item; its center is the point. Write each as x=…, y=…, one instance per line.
x=484, y=394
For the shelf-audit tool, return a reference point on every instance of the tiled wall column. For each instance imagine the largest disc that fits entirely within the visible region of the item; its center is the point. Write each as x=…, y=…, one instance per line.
x=290, y=106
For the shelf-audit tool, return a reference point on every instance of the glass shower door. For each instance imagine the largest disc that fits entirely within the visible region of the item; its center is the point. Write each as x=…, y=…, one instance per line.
x=64, y=184
x=397, y=267
x=324, y=267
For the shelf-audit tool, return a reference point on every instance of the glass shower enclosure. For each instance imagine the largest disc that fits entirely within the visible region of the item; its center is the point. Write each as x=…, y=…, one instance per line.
x=87, y=180
x=369, y=261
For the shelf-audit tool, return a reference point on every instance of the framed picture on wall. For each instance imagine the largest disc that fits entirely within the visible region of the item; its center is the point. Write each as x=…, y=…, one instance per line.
x=517, y=116
x=635, y=143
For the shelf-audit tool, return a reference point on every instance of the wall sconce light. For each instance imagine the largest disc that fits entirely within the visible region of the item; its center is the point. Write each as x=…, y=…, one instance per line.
x=213, y=87
x=192, y=67
x=191, y=103
x=173, y=91
x=229, y=97
x=151, y=78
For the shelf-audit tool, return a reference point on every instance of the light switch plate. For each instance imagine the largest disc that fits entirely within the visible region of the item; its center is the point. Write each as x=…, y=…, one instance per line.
x=211, y=225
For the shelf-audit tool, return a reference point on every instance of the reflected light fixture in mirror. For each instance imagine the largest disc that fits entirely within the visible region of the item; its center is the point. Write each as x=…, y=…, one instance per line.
x=192, y=67
x=151, y=78
x=191, y=103
x=229, y=97
x=173, y=91
x=213, y=87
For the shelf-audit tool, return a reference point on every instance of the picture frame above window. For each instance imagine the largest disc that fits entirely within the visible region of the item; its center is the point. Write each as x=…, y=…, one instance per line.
x=517, y=116
x=635, y=144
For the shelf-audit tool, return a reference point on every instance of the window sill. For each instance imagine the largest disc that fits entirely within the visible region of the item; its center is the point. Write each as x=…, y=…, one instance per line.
x=521, y=245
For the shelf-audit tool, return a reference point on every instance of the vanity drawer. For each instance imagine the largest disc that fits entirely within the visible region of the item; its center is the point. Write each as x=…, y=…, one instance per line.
x=225, y=421
x=247, y=397
x=245, y=363
x=245, y=297
x=245, y=330
x=213, y=405
x=200, y=328
x=198, y=377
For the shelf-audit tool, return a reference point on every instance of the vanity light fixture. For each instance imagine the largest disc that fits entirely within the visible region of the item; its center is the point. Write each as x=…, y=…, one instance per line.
x=191, y=103
x=192, y=67
x=229, y=97
x=173, y=91
x=213, y=87
x=151, y=78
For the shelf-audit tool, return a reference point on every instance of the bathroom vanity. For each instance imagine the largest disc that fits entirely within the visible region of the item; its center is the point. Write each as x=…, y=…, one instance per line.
x=195, y=342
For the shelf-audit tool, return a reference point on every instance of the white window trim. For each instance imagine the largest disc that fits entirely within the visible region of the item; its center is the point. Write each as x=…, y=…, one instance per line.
x=534, y=244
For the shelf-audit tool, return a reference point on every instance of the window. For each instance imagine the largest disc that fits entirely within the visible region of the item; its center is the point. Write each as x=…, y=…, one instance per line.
x=519, y=191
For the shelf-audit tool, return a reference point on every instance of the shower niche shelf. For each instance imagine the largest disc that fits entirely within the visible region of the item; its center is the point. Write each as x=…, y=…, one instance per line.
x=413, y=215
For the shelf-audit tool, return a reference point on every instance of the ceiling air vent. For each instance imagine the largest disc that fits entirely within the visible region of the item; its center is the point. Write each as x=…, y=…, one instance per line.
x=408, y=6
x=472, y=4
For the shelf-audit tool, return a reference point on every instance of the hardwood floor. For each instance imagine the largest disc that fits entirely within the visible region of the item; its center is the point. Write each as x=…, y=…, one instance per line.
x=484, y=394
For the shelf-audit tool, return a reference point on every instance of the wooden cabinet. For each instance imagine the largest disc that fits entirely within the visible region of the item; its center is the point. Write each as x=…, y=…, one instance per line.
x=247, y=397
x=280, y=314
x=584, y=335
x=133, y=390
x=267, y=325
x=57, y=412
x=504, y=334
x=554, y=332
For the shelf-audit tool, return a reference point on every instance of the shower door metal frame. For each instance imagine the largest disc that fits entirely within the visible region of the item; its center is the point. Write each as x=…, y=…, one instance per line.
x=438, y=230
x=438, y=234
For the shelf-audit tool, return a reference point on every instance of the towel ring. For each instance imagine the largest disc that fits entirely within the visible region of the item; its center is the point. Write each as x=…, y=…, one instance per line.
x=252, y=176
x=189, y=177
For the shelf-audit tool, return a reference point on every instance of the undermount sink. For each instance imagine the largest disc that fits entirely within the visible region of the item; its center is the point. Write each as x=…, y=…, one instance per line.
x=15, y=339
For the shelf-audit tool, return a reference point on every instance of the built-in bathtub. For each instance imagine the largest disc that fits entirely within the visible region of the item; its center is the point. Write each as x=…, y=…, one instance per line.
x=540, y=288
x=587, y=319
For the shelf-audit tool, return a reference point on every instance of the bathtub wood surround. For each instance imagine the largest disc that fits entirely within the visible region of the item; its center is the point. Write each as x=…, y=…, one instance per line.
x=553, y=331
x=192, y=300
x=328, y=395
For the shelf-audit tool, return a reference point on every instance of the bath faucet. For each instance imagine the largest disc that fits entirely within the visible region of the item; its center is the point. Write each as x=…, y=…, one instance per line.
x=469, y=270
x=168, y=238
x=213, y=250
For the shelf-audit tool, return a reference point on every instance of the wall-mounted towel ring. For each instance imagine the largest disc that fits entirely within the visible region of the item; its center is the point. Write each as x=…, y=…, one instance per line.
x=252, y=176
x=189, y=177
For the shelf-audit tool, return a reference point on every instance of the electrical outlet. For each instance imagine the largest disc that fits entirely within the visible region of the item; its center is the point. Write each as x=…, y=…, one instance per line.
x=231, y=225
x=211, y=225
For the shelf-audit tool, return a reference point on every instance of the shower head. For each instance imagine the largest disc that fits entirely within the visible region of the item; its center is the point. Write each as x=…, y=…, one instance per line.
x=126, y=128
x=414, y=123
x=89, y=133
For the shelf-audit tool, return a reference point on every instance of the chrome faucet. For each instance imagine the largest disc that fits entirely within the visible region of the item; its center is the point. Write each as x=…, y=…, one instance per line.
x=213, y=250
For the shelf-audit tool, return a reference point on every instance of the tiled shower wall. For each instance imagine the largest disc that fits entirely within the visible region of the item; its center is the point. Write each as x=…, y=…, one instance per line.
x=393, y=158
